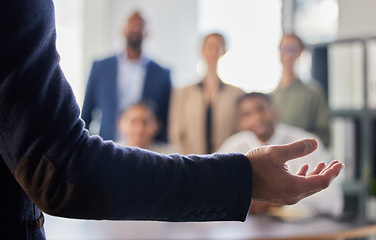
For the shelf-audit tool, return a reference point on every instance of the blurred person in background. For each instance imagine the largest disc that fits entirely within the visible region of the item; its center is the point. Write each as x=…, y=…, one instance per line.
x=49, y=162
x=118, y=81
x=301, y=104
x=259, y=126
x=138, y=126
x=202, y=115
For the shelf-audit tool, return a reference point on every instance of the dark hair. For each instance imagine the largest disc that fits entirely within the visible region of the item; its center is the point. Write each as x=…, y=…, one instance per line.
x=137, y=14
x=250, y=95
x=147, y=103
x=217, y=35
x=296, y=37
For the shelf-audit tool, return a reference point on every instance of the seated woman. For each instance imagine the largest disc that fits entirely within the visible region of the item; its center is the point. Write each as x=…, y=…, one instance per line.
x=138, y=126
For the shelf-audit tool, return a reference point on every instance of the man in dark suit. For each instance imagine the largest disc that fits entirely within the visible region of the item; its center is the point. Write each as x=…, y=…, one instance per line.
x=117, y=82
x=49, y=163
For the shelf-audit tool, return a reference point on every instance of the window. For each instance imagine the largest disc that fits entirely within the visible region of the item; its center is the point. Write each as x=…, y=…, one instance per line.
x=69, y=27
x=252, y=30
x=316, y=21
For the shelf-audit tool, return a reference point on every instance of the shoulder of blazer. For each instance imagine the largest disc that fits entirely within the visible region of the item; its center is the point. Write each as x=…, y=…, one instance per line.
x=234, y=90
x=155, y=67
x=106, y=62
x=105, y=69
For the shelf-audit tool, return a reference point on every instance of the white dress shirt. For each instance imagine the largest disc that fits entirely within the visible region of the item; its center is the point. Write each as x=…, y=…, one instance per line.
x=330, y=200
x=130, y=80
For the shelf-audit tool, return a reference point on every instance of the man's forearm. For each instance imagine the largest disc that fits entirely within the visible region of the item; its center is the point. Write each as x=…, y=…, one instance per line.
x=68, y=173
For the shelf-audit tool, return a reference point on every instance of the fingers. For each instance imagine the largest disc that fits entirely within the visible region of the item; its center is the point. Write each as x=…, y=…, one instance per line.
x=333, y=170
x=320, y=181
x=318, y=169
x=330, y=165
x=294, y=150
x=303, y=170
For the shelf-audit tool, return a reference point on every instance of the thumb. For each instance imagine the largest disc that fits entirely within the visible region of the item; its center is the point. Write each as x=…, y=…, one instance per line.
x=295, y=150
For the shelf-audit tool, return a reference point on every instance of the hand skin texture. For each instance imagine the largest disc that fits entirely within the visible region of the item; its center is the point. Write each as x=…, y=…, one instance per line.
x=274, y=183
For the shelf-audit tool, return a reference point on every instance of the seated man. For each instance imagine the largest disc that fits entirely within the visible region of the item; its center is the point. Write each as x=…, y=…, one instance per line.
x=138, y=125
x=258, y=122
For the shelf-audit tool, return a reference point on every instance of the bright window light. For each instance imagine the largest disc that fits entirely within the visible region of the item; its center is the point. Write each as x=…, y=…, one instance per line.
x=69, y=27
x=253, y=31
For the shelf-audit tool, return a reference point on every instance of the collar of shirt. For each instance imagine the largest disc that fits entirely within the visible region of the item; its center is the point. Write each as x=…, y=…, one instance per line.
x=221, y=84
x=142, y=61
x=296, y=84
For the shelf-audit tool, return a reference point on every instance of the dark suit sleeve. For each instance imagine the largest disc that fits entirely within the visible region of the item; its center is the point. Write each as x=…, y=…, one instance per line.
x=68, y=173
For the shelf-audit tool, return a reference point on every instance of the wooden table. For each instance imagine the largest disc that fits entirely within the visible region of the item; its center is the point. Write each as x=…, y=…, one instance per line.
x=255, y=228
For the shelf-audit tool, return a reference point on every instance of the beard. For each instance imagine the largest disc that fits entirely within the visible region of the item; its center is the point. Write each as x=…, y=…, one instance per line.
x=134, y=41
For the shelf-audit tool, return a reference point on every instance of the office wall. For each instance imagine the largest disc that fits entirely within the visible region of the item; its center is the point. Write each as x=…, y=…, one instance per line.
x=356, y=18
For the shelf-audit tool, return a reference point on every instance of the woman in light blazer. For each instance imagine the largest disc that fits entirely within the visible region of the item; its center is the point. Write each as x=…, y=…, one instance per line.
x=203, y=115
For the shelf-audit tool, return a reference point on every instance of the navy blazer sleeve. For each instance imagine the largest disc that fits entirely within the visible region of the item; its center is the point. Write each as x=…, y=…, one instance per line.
x=68, y=173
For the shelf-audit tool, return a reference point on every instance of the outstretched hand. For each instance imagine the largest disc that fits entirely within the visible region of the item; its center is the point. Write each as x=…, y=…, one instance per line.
x=274, y=183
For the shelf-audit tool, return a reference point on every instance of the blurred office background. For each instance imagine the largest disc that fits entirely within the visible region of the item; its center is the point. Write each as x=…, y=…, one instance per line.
x=341, y=54
x=89, y=30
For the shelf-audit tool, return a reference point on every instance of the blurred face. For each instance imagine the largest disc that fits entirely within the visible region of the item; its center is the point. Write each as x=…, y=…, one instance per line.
x=257, y=115
x=139, y=125
x=212, y=50
x=290, y=50
x=134, y=31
